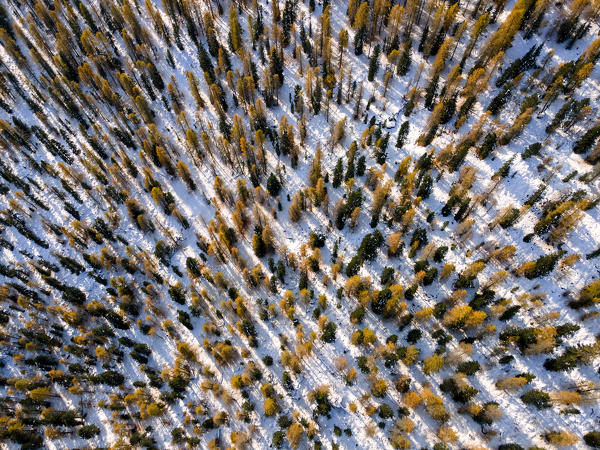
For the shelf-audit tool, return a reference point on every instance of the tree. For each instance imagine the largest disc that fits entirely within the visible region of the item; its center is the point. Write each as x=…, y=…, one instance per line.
x=338, y=173
x=405, y=59
x=270, y=407
x=430, y=92
x=532, y=150
x=374, y=63
x=342, y=43
x=40, y=394
x=426, y=187
x=537, y=398
x=519, y=65
x=541, y=266
x=447, y=435
x=458, y=388
x=317, y=97
x=588, y=296
x=258, y=245
x=467, y=277
x=295, y=209
x=184, y=173
x=440, y=59
x=592, y=439
x=517, y=126
x=361, y=166
x=195, y=90
x=434, y=406
x=379, y=388
x=488, y=145
x=273, y=185
x=294, y=433
x=584, y=143
x=499, y=100
x=369, y=245
x=433, y=363
x=328, y=334
x=278, y=436
x=88, y=431
x=267, y=237
x=360, y=24
x=501, y=39
x=276, y=65
x=396, y=437
x=402, y=133
x=288, y=20
x=235, y=31
x=353, y=266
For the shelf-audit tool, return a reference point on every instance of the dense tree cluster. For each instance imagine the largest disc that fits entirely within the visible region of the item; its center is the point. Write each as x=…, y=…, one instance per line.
x=202, y=216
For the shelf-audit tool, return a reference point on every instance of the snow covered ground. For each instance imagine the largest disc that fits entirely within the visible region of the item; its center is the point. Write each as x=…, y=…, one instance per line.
x=520, y=423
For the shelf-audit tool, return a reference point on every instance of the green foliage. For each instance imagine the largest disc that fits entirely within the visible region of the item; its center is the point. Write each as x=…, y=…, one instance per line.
x=592, y=439
x=369, y=245
x=88, y=431
x=468, y=367
x=385, y=411
x=524, y=336
x=328, y=334
x=361, y=166
x=402, y=134
x=162, y=252
x=567, y=361
x=510, y=312
x=589, y=296
x=317, y=239
x=430, y=276
x=321, y=397
x=585, y=142
x=461, y=394
x=387, y=276
x=489, y=143
x=543, y=265
x=73, y=295
x=353, y=266
x=431, y=91
x=459, y=156
x=258, y=244
x=109, y=377
x=362, y=363
x=567, y=329
x=405, y=58
x=338, y=173
x=499, y=100
x=425, y=187
x=537, y=398
x=509, y=218
x=273, y=185
x=184, y=318
x=532, y=150
x=379, y=301
x=177, y=293
x=419, y=237
x=440, y=253
x=374, y=63
x=519, y=65
x=69, y=418
x=357, y=315
x=414, y=335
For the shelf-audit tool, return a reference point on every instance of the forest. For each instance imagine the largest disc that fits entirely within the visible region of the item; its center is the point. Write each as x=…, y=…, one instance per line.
x=305, y=224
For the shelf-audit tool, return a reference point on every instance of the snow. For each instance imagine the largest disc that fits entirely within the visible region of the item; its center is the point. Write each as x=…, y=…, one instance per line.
x=520, y=423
